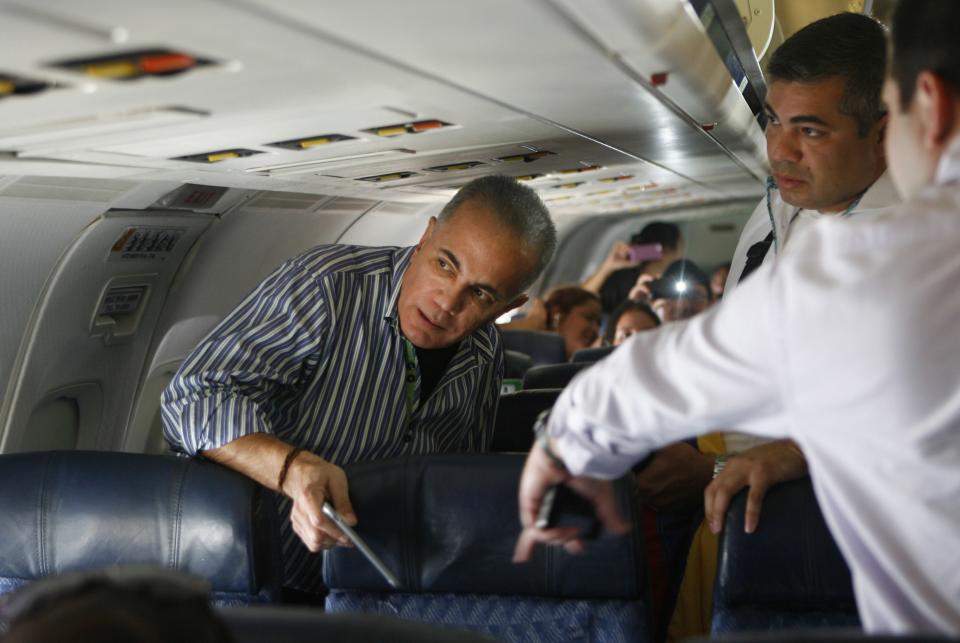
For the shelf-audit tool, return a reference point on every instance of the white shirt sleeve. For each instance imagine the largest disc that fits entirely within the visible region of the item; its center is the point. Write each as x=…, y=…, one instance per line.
x=718, y=369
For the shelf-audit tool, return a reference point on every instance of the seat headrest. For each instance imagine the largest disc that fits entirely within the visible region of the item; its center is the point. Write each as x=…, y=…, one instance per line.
x=449, y=523
x=74, y=510
x=516, y=413
x=552, y=375
x=592, y=354
x=791, y=561
x=515, y=364
x=542, y=347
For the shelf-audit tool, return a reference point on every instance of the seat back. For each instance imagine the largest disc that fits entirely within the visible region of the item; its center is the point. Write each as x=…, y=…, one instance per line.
x=787, y=574
x=516, y=413
x=73, y=510
x=515, y=364
x=592, y=354
x=542, y=347
x=552, y=375
x=447, y=526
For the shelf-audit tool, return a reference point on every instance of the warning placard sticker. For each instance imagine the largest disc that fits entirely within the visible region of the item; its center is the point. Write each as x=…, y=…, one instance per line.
x=151, y=243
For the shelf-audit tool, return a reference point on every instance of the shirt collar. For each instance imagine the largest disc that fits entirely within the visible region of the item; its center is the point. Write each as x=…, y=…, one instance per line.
x=401, y=261
x=948, y=171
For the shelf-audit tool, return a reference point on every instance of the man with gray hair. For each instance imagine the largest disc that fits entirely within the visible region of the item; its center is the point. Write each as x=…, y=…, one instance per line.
x=350, y=353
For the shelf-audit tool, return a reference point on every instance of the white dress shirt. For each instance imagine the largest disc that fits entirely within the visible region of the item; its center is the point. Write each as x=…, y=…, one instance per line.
x=849, y=345
x=788, y=222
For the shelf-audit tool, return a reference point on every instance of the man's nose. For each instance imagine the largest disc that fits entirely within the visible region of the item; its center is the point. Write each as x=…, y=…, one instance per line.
x=782, y=146
x=448, y=300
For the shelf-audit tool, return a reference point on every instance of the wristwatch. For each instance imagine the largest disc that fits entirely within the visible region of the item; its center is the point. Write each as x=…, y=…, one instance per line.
x=719, y=464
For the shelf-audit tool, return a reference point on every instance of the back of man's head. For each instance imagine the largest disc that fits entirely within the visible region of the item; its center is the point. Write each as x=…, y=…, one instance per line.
x=516, y=206
x=847, y=44
x=925, y=39
x=666, y=234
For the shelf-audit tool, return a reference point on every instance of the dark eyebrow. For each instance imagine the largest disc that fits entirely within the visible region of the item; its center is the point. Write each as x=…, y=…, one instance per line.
x=802, y=118
x=452, y=258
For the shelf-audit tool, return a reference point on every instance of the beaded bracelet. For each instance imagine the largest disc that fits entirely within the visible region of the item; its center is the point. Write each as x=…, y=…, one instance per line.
x=286, y=466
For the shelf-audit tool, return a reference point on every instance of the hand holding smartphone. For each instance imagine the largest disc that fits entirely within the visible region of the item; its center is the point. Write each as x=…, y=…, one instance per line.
x=646, y=252
x=563, y=507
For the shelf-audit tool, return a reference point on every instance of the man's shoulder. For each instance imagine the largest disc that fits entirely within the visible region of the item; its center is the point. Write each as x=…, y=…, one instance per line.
x=335, y=259
x=486, y=340
x=880, y=196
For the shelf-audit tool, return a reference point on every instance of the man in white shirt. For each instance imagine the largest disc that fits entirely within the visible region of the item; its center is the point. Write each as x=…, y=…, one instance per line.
x=848, y=345
x=825, y=147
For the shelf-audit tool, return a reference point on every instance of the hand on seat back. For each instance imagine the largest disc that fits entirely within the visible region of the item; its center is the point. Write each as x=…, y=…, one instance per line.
x=674, y=478
x=312, y=480
x=758, y=468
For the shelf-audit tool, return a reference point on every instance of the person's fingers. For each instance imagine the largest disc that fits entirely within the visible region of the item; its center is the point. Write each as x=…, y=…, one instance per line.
x=340, y=496
x=605, y=506
x=524, y=548
x=536, y=479
x=758, y=489
x=716, y=500
x=574, y=546
x=310, y=536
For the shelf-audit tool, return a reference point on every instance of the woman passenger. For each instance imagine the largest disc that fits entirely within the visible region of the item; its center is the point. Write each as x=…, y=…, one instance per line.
x=630, y=317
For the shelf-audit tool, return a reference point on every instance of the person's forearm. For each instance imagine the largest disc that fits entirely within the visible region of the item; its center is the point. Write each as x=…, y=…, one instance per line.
x=259, y=456
x=594, y=282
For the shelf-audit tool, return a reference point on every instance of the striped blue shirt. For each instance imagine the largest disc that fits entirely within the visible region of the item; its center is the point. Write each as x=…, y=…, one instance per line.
x=315, y=356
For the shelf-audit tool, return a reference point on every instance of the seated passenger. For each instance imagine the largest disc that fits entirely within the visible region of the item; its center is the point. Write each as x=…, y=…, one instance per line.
x=632, y=316
x=124, y=604
x=682, y=291
x=571, y=311
x=350, y=353
x=649, y=252
x=718, y=280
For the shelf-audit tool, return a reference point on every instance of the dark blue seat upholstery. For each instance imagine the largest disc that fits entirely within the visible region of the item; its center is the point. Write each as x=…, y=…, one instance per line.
x=542, y=347
x=447, y=526
x=843, y=635
x=592, y=354
x=552, y=375
x=515, y=364
x=788, y=574
x=516, y=413
x=74, y=510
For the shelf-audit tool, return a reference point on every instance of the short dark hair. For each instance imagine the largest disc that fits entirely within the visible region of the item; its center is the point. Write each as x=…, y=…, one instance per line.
x=925, y=39
x=846, y=44
x=563, y=299
x=630, y=305
x=515, y=205
x=666, y=234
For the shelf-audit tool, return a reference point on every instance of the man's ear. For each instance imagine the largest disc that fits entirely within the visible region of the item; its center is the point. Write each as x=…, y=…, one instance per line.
x=936, y=109
x=426, y=233
x=881, y=135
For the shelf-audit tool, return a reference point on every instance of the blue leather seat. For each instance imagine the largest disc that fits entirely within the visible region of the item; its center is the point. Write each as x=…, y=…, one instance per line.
x=788, y=574
x=592, y=354
x=552, y=375
x=74, y=510
x=516, y=413
x=542, y=347
x=447, y=526
x=515, y=364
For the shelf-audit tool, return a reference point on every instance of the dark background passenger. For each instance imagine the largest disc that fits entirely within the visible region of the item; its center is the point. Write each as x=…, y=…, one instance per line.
x=682, y=291
x=630, y=317
x=124, y=605
x=571, y=311
x=619, y=272
x=718, y=279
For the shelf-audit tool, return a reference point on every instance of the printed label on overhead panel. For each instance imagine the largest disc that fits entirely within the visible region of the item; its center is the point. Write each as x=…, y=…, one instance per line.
x=145, y=243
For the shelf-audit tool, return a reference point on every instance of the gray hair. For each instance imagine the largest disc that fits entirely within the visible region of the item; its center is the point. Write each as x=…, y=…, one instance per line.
x=516, y=206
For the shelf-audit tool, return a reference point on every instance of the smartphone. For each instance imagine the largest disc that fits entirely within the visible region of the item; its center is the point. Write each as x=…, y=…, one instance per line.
x=646, y=252
x=360, y=544
x=563, y=507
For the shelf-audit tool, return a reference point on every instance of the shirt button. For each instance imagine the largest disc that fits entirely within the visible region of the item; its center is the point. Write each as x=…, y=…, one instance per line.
x=410, y=379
